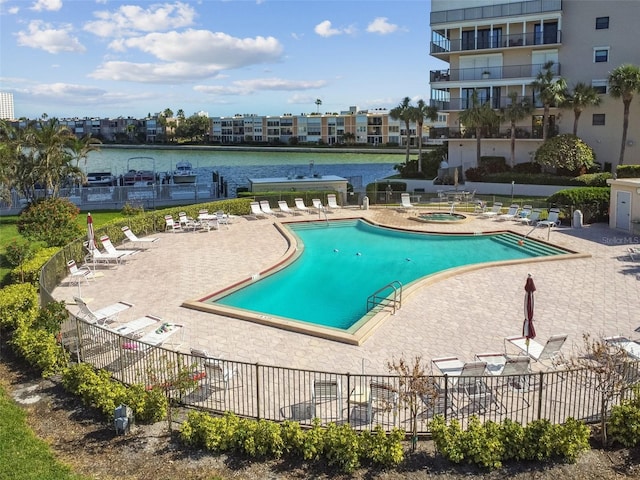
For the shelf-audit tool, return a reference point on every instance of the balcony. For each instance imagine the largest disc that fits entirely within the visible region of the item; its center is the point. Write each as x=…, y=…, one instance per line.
x=486, y=12
x=486, y=73
x=443, y=45
x=462, y=103
x=445, y=133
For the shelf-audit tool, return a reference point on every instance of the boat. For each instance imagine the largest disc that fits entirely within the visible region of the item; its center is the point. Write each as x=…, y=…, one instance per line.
x=184, y=173
x=101, y=179
x=138, y=176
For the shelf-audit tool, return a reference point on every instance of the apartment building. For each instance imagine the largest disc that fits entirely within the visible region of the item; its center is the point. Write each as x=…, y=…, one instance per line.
x=6, y=106
x=497, y=47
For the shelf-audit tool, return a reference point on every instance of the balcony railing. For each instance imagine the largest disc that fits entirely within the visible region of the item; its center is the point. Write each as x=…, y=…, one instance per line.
x=497, y=40
x=495, y=11
x=445, y=133
x=462, y=103
x=486, y=73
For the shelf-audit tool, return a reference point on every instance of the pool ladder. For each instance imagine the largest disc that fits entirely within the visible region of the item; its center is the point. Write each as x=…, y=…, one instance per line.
x=388, y=296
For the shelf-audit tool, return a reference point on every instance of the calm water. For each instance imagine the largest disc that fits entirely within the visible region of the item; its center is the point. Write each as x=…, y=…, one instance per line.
x=346, y=261
x=237, y=167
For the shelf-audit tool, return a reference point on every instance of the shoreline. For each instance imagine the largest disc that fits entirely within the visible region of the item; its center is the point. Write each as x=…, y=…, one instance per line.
x=247, y=148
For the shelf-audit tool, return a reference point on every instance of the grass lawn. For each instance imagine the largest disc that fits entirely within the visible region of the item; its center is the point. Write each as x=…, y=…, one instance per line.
x=23, y=456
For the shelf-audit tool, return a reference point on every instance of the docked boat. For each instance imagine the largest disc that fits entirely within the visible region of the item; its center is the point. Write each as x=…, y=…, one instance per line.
x=139, y=177
x=101, y=179
x=184, y=173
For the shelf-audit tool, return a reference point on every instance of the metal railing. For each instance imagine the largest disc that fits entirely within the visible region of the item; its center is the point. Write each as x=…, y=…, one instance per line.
x=277, y=393
x=389, y=295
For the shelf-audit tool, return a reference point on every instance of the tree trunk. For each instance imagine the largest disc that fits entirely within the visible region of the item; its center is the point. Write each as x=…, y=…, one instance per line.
x=419, y=147
x=625, y=127
x=513, y=144
x=478, y=149
x=408, y=142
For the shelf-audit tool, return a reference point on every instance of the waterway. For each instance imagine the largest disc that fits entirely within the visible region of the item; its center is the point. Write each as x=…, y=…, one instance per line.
x=236, y=167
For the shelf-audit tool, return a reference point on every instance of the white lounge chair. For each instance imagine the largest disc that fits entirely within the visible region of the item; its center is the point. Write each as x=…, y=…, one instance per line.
x=511, y=213
x=634, y=253
x=95, y=256
x=547, y=354
x=154, y=338
x=134, y=328
x=532, y=218
x=256, y=211
x=300, y=206
x=108, y=246
x=106, y=314
x=631, y=347
x=332, y=202
x=523, y=213
x=494, y=212
x=553, y=220
x=266, y=208
x=284, y=208
x=144, y=242
x=405, y=202
x=78, y=274
x=317, y=205
x=171, y=225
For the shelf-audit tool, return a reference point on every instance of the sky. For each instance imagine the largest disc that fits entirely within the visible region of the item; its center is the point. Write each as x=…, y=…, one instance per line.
x=111, y=58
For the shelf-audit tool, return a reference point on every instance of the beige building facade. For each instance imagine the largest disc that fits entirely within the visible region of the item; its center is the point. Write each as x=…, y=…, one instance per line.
x=498, y=47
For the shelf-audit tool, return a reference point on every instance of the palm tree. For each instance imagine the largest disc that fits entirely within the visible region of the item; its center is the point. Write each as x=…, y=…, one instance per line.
x=421, y=112
x=513, y=112
x=479, y=116
x=583, y=96
x=404, y=112
x=551, y=93
x=79, y=149
x=624, y=81
x=318, y=102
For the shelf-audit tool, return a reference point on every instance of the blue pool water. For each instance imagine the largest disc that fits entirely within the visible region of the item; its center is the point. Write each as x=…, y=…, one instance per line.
x=343, y=262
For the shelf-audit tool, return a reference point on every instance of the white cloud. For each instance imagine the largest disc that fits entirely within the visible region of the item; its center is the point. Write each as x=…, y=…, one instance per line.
x=48, y=5
x=131, y=19
x=53, y=40
x=177, y=72
x=246, y=87
x=325, y=29
x=381, y=26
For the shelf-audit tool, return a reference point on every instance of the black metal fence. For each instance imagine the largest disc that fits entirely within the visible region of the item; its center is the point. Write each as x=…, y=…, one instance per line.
x=277, y=393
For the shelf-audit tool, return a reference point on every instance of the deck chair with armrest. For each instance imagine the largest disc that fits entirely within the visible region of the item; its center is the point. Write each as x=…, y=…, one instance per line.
x=326, y=398
x=530, y=219
x=187, y=222
x=438, y=401
x=332, y=202
x=266, y=208
x=137, y=242
x=78, y=274
x=284, y=208
x=511, y=213
x=383, y=399
x=494, y=212
x=553, y=220
x=547, y=355
x=102, y=316
x=171, y=225
x=300, y=206
x=109, y=248
x=256, y=211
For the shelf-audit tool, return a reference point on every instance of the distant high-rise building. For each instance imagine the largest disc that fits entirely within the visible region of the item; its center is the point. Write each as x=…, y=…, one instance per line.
x=6, y=106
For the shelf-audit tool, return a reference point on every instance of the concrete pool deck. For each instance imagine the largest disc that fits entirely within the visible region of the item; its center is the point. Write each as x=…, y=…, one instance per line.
x=461, y=315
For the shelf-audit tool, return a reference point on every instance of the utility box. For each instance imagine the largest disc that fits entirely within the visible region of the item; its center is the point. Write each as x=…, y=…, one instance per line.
x=122, y=419
x=577, y=219
x=365, y=203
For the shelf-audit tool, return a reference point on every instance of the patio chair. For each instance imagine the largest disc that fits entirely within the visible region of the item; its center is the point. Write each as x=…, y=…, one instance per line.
x=317, y=205
x=256, y=211
x=382, y=398
x=439, y=401
x=134, y=328
x=530, y=219
x=284, y=208
x=523, y=213
x=323, y=392
x=511, y=213
x=332, y=202
x=95, y=256
x=494, y=212
x=266, y=208
x=78, y=274
x=300, y=206
x=171, y=225
x=154, y=338
x=142, y=243
x=405, y=203
x=110, y=249
x=553, y=220
x=631, y=347
x=634, y=254
x=223, y=219
x=102, y=316
x=187, y=222
x=547, y=354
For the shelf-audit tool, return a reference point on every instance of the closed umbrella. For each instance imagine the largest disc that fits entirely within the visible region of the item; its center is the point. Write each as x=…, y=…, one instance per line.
x=528, y=329
x=455, y=178
x=91, y=243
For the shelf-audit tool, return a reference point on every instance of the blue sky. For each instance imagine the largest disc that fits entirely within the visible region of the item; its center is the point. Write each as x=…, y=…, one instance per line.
x=107, y=58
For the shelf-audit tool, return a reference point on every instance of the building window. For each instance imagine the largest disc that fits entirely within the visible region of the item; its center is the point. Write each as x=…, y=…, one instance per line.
x=602, y=23
x=601, y=54
x=598, y=119
x=599, y=86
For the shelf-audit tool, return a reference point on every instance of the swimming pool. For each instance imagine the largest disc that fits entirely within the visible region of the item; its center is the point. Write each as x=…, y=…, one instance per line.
x=340, y=263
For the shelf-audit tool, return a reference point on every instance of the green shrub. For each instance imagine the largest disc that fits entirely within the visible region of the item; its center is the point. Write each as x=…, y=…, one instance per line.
x=572, y=439
x=148, y=405
x=628, y=171
x=313, y=442
x=566, y=152
x=52, y=220
x=513, y=440
x=29, y=271
x=96, y=388
x=624, y=421
x=292, y=437
x=593, y=179
x=341, y=447
x=593, y=202
x=40, y=349
x=539, y=440
x=382, y=449
x=51, y=316
x=530, y=168
x=18, y=305
x=18, y=252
